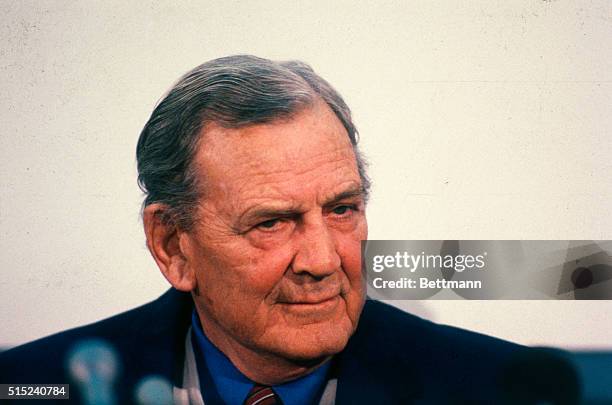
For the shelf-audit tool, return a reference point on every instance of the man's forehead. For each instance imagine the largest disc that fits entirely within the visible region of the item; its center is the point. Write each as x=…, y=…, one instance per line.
x=288, y=190
x=312, y=138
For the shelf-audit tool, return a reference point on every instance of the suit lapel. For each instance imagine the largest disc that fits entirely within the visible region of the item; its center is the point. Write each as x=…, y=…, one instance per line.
x=375, y=368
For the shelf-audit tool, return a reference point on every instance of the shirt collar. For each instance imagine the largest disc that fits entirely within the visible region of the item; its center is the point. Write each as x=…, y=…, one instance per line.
x=233, y=386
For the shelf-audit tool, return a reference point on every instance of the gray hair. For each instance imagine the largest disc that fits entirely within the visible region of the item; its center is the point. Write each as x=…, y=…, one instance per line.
x=233, y=92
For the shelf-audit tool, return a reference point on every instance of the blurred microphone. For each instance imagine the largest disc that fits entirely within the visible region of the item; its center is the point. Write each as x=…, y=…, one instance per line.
x=540, y=376
x=93, y=365
x=153, y=390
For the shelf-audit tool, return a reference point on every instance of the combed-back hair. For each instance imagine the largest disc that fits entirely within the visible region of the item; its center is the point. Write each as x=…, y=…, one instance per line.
x=233, y=92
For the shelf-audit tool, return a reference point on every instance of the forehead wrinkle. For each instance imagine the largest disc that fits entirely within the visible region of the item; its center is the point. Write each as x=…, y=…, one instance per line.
x=244, y=161
x=275, y=156
x=281, y=186
x=274, y=196
x=289, y=174
x=338, y=143
x=268, y=192
x=283, y=190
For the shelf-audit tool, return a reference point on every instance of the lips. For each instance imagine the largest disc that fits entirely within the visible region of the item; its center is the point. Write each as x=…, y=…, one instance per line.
x=320, y=307
x=313, y=309
x=311, y=300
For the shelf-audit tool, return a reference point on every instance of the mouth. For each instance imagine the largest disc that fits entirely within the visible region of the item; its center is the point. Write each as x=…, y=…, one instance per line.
x=312, y=304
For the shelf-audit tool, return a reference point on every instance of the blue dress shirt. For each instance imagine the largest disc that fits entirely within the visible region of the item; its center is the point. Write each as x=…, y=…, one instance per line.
x=222, y=383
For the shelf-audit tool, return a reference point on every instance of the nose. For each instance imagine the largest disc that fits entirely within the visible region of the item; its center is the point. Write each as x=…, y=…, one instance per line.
x=316, y=254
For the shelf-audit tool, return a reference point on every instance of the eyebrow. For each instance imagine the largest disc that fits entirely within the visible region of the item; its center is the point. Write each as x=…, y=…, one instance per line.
x=270, y=212
x=352, y=192
x=290, y=210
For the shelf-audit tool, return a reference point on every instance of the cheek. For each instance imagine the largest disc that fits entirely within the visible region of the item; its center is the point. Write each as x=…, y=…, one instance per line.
x=349, y=249
x=266, y=268
x=242, y=272
x=350, y=254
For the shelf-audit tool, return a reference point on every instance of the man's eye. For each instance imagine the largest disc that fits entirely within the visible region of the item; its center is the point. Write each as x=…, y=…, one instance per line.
x=342, y=209
x=269, y=224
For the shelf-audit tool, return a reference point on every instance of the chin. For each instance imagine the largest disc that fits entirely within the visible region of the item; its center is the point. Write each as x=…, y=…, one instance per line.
x=311, y=346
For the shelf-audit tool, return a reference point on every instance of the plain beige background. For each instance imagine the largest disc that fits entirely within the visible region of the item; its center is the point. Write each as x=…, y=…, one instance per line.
x=482, y=120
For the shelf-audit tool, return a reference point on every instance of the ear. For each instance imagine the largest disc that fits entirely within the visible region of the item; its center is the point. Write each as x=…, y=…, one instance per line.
x=164, y=243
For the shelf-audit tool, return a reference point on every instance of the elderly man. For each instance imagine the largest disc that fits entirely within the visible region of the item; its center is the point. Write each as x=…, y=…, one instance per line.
x=255, y=213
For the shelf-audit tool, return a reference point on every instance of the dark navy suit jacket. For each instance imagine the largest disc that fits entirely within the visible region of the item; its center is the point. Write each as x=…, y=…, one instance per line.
x=393, y=357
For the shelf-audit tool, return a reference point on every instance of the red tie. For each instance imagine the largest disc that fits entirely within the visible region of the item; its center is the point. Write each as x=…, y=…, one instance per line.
x=262, y=395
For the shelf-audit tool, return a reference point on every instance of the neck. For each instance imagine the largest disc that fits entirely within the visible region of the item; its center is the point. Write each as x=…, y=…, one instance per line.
x=261, y=367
